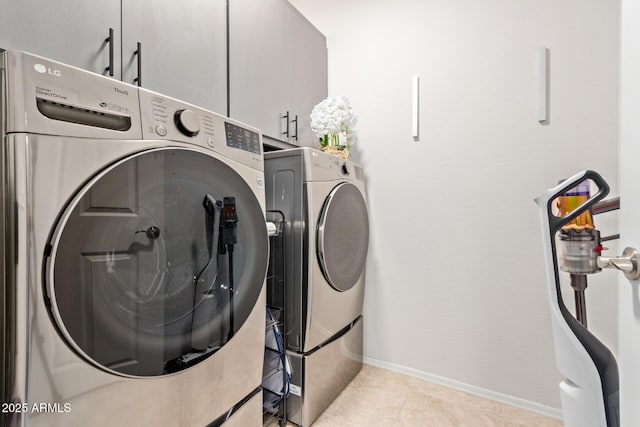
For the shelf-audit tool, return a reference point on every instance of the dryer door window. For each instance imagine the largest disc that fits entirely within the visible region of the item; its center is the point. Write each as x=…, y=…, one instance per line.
x=343, y=236
x=144, y=276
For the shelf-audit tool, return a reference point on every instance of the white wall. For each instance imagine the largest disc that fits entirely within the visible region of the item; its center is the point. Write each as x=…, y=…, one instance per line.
x=629, y=296
x=455, y=279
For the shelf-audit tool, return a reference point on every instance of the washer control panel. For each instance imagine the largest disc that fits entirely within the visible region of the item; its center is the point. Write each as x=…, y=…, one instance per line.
x=170, y=119
x=187, y=122
x=242, y=138
x=48, y=97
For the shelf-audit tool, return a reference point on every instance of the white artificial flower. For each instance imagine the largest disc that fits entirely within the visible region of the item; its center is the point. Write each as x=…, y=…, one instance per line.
x=334, y=115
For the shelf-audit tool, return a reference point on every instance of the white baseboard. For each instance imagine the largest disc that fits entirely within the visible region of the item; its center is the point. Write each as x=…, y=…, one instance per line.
x=468, y=388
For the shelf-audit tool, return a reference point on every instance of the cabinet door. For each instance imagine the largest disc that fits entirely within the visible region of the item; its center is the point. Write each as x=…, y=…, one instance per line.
x=183, y=49
x=69, y=31
x=308, y=82
x=259, y=68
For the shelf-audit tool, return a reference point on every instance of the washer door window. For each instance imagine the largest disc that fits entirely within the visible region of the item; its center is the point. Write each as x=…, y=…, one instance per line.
x=153, y=268
x=343, y=236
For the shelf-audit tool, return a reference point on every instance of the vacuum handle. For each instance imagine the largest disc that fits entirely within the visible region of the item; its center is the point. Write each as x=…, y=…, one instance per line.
x=556, y=222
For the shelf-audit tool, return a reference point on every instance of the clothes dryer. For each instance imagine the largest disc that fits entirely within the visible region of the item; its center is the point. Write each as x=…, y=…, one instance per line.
x=134, y=255
x=323, y=199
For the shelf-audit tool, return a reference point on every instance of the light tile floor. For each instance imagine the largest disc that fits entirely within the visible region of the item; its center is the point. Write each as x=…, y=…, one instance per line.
x=379, y=398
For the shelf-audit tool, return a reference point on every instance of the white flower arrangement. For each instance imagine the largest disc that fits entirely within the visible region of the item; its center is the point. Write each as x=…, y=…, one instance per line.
x=332, y=120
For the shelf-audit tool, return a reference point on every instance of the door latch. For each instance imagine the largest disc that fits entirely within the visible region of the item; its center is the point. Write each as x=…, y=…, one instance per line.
x=627, y=263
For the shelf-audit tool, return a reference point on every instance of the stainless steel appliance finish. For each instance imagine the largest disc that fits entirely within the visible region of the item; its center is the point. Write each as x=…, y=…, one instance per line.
x=112, y=314
x=323, y=200
x=249, y=414
x=323, y=374
x=327, y=237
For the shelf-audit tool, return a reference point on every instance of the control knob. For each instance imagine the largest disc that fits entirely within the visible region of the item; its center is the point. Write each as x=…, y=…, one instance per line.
x=187, y=122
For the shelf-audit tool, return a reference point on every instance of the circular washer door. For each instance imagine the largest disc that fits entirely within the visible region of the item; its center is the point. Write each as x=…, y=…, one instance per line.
x=343, y=236
x=140, y=279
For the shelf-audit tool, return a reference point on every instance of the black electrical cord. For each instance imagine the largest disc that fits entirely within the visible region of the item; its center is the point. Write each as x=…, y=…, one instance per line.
x=231, y=320
x=229, y=222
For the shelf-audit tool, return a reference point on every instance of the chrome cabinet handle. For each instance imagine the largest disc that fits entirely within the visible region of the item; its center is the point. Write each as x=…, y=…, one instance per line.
x=295, y=136
x=109, y=40
x=138, y=53
x=286, y=132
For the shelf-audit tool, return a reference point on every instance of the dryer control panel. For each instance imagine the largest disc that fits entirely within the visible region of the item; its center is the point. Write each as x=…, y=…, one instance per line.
x=321, y=166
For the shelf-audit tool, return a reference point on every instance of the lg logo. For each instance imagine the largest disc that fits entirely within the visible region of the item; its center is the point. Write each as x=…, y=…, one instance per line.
x=42, y=69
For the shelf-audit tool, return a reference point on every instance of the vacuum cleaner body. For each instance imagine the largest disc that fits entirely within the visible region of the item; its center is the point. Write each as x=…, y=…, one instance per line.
x=590, y=390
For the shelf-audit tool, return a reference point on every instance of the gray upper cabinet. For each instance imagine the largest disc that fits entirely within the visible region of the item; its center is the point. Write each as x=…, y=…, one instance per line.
x=183, y=49
x=69, y=31
x=258, y=72
x=183, y=43
x=277, y=59
x=277, y=65
x=308, y=79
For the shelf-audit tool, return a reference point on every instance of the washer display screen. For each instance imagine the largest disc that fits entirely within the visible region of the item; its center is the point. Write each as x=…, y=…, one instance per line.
x=242, y=138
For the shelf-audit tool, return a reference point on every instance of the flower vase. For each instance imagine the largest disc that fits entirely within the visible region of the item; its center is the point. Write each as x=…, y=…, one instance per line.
x=335, y=144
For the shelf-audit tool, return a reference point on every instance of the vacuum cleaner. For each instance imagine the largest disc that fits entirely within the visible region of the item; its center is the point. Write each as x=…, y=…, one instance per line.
x=573, y=245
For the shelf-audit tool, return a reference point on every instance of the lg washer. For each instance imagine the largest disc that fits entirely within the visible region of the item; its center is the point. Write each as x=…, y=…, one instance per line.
x=134, y=255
